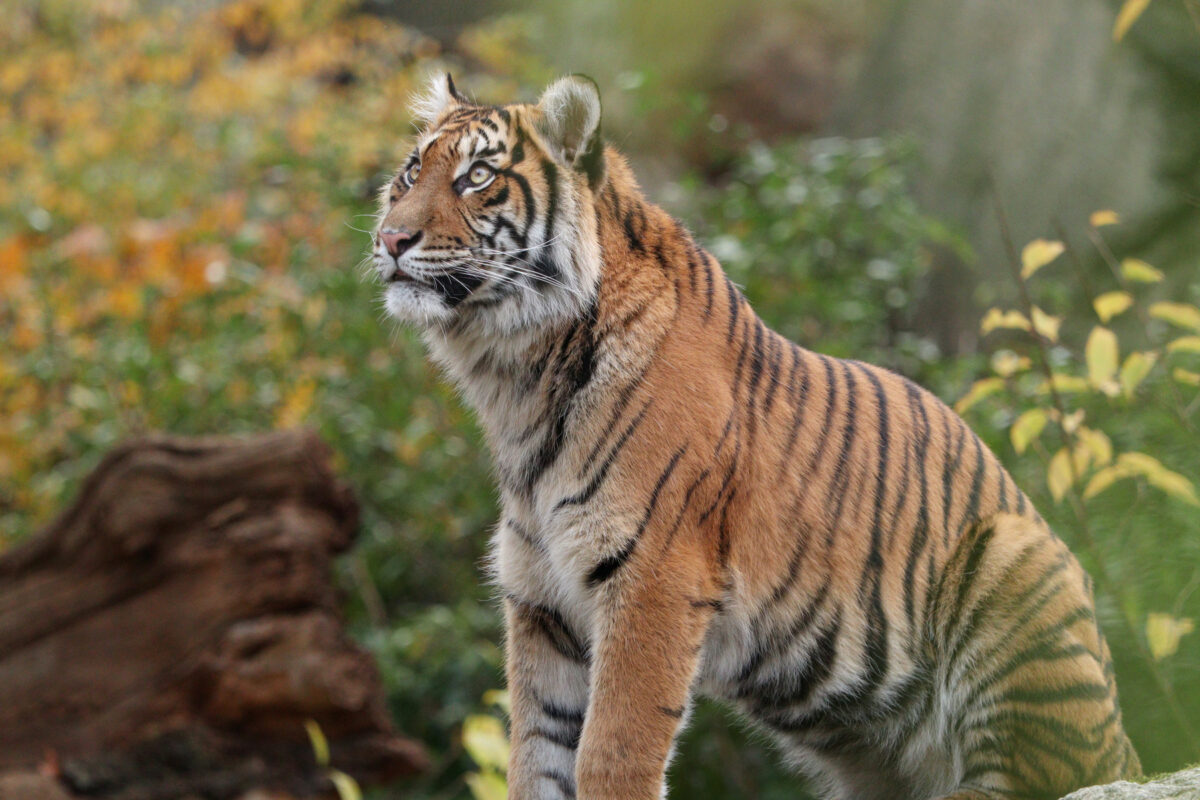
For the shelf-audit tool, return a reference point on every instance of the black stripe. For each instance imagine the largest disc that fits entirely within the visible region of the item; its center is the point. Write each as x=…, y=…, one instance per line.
x=552, y=625
x=734, y=303
x=598, y=479
x=921, y=534
x=973, y=499
x=950, y=473
x=610, y=564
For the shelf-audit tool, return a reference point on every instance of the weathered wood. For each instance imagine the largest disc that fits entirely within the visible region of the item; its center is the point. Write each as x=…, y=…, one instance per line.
x=171, y=632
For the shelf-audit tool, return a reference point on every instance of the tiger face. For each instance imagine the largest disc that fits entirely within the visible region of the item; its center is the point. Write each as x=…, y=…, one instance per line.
x=489, y=224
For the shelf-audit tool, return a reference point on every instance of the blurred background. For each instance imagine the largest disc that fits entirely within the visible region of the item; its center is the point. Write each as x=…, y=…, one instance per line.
x=185, y=190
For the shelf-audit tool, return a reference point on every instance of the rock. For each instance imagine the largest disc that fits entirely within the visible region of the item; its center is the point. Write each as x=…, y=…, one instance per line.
x=1182, y=785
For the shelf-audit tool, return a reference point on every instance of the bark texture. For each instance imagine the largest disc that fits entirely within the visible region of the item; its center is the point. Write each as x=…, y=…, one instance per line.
x=171, y=632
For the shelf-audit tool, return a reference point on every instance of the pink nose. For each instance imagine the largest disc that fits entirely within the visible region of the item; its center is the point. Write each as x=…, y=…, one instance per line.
x=397, y=242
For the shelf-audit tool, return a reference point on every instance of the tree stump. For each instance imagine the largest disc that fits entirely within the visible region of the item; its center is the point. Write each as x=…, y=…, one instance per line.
x=171, y=632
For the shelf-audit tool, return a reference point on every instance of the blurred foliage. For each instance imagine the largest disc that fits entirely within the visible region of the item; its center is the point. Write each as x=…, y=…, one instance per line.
x=1094, y=406
x=829, y=245
x=180, y=189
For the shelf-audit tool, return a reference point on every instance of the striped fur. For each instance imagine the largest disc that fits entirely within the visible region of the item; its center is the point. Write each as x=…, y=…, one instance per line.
x=692, y=503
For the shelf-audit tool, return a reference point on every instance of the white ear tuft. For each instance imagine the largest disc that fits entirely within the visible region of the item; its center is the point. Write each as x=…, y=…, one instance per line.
x=437, y=97
x=570, y=119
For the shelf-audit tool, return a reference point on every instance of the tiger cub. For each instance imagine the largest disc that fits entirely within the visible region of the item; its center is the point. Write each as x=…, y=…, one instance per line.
x=693, y=504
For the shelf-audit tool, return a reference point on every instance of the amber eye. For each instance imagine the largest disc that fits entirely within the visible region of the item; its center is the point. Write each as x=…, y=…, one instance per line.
x=413, y=172
x=479, y=174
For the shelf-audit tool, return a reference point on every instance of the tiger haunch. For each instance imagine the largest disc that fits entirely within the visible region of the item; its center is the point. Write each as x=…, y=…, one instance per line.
x=692, y=503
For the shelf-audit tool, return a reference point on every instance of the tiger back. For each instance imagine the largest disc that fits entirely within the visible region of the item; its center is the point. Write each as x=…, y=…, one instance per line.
x=694, y=504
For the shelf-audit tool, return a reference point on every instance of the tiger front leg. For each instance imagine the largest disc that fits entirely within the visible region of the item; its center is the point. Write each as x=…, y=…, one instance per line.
x=647, y=655
x=547, y=668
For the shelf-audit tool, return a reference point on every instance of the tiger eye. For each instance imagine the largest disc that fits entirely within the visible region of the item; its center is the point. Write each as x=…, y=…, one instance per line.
x=413, y=173
x=479, y=173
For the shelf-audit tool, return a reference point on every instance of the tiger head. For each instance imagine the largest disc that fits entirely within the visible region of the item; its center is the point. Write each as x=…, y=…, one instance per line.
x=490, y=224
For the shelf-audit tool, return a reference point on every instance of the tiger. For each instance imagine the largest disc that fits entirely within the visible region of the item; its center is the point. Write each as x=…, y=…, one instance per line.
x=692, y=505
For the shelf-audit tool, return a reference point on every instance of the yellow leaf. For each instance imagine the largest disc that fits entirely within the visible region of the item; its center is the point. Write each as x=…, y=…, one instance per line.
x=1097, y=444
x=1110, y=304
x=1135, y=369
x=1159, y=476
x=1186, y=376
x=1099, y=219
x=1185, y=344
x=995, y=318
x=1163, y=633
x=1027, y=427
x=1138, y=271
x=1006, y=363
x=296, y=404
x=978, y=391
x=1129, y=13
x=1038, y=254
x=320, y=744
x=1071, y=422
x=1058, y=477
x=1105, y=478
x=347, y=787
x=498, y=697
x=1045, y=324
x=1185, y=315
x=484, y=739
x=1065, y=384
x=1102, y=357
x=487, y=786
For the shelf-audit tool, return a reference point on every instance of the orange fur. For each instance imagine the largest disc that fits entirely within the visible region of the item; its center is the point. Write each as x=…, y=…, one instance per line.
x=693, y=503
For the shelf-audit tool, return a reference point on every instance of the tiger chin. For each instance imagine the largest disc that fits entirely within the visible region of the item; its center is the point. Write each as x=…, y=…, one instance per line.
x=694, y=505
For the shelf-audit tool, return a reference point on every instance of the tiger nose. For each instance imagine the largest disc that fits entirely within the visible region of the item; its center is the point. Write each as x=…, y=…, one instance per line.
x=397, y=242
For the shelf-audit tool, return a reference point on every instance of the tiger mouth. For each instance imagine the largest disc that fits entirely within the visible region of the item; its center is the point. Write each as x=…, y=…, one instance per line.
x=400, y=276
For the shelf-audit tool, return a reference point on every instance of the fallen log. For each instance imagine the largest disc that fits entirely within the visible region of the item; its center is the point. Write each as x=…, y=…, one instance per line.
x=171, y=633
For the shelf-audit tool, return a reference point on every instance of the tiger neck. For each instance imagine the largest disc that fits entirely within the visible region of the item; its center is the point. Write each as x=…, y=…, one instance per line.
x=532, y=392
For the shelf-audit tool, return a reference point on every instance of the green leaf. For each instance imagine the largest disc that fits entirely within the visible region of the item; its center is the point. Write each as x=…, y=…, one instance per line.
x=1138, y=271
x=1129, y=13
x=995, y=318
x=1185, y=315
x=978, y=391
x=1185, y=344
x=1046, y=324
x=320, y=745
x=1027, y=427
x=484, y=739
x=1102, y=356
x=1038, y=254
x=1111, y=304
x=1135, y=369
x=1163, y=633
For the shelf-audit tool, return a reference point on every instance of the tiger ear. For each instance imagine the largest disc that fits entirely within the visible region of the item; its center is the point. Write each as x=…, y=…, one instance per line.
x=569, y=123
x=440, y=95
